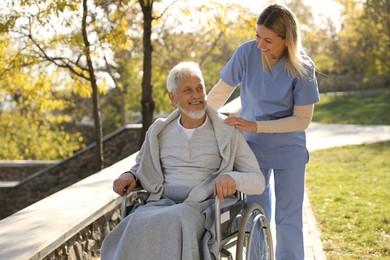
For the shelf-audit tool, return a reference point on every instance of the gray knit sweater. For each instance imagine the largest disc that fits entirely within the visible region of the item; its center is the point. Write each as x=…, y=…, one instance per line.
x=237, y=160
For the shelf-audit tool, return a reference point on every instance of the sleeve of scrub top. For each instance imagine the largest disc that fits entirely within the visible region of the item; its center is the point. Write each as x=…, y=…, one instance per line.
x=305, y=89
x=233, y=70
x=219, y=94
x=305, y=95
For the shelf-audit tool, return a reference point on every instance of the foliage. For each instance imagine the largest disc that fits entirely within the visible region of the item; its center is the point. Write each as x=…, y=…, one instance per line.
x=22, y=138
x=349, y=190
x=209, y=34
x=65, y=46
x=44, y=33
x=362, y=43
x=32, y=112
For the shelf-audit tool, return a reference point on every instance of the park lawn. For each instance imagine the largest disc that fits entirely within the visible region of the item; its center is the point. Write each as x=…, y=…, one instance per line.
x=349, y=191
x=357, y=108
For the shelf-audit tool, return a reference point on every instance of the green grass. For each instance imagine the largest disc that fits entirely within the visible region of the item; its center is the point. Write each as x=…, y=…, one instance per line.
x=368, y=109
x=349, y=187
x=349, y=190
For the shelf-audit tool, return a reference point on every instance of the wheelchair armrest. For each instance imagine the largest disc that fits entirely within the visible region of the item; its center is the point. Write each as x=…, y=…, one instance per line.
x=225, y=215
x=218, y=221
x=138, y=194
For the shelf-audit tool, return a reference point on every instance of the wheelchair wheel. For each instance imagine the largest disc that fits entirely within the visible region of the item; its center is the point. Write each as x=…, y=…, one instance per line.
x=254, y=237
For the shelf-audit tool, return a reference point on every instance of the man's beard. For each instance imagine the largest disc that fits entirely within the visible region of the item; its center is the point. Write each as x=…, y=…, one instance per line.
x=199, y=114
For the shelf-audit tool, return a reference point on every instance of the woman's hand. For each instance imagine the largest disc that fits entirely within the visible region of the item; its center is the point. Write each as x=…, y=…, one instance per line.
x=242, y=124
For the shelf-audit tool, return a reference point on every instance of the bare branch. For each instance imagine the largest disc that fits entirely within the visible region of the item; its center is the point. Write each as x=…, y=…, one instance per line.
x=108, y=70
x=165, y=10
x=65, y=62
x=215, y=43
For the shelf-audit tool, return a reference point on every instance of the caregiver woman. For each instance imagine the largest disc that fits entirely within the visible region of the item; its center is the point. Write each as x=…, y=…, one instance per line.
x=278, y=92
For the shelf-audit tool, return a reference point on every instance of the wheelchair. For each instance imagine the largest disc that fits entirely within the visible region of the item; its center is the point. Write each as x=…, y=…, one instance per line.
x=242, y=230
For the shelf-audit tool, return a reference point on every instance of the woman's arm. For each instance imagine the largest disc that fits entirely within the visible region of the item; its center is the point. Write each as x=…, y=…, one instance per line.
x=219, y=94
x=299, y=121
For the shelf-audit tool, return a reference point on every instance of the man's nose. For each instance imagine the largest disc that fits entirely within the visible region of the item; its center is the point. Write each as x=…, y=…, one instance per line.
x=197, y=94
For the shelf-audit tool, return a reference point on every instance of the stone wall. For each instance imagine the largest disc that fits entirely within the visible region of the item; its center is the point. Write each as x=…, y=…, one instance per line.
x=21, y=169
x=86, y=243
x=45, y=182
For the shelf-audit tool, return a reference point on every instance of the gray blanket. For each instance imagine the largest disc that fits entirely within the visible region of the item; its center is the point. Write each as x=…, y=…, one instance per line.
x=165, y=230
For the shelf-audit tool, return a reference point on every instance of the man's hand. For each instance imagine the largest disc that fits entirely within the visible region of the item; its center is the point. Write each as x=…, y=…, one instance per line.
x=125, y=180
x=224, y=186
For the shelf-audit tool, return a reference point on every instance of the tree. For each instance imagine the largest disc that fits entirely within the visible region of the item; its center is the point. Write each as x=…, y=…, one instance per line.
x=95, y=94
x=147, y=99
x=81, y=65
x=71, y=48
x=364, y=37
x=128, y=47
x=31, y=110
x=207, y=33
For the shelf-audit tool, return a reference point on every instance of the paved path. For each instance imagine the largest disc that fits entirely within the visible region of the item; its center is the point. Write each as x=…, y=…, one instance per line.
x=322, y=136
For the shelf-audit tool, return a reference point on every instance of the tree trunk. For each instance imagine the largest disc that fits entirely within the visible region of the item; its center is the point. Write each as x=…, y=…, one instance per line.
x=95, y=93
x=122, y=93
x=147, y=99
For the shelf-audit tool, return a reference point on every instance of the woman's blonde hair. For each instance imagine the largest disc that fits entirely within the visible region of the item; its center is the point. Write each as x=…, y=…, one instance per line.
x=284, y=23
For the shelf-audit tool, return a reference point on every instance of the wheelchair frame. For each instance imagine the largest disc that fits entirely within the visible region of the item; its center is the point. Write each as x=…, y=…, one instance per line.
x=248, y=218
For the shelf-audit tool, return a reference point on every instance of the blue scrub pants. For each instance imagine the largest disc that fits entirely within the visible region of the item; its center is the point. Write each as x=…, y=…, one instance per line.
x=289, y=192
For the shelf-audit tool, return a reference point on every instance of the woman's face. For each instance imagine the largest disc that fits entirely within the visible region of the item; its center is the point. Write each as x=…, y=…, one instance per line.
x=270, y=43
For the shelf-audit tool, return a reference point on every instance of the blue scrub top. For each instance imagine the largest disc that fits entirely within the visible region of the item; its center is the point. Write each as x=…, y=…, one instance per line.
x=269, y=96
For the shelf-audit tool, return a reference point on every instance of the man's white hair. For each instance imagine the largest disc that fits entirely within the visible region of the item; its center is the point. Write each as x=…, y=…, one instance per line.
x=183, y=70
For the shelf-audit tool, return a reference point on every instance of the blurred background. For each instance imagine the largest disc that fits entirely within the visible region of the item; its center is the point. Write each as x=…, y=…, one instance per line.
x=72, y=72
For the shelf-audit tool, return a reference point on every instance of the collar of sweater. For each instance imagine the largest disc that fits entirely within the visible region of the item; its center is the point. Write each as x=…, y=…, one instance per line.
x=223, y=131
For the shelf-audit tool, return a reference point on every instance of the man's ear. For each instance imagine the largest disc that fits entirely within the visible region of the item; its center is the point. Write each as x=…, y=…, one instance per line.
x=172, y=98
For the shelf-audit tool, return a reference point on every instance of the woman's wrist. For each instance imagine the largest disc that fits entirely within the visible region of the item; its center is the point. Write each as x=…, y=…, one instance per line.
x=258, y=125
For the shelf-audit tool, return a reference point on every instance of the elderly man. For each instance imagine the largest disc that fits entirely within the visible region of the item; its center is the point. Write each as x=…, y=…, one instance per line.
x=186, y=159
